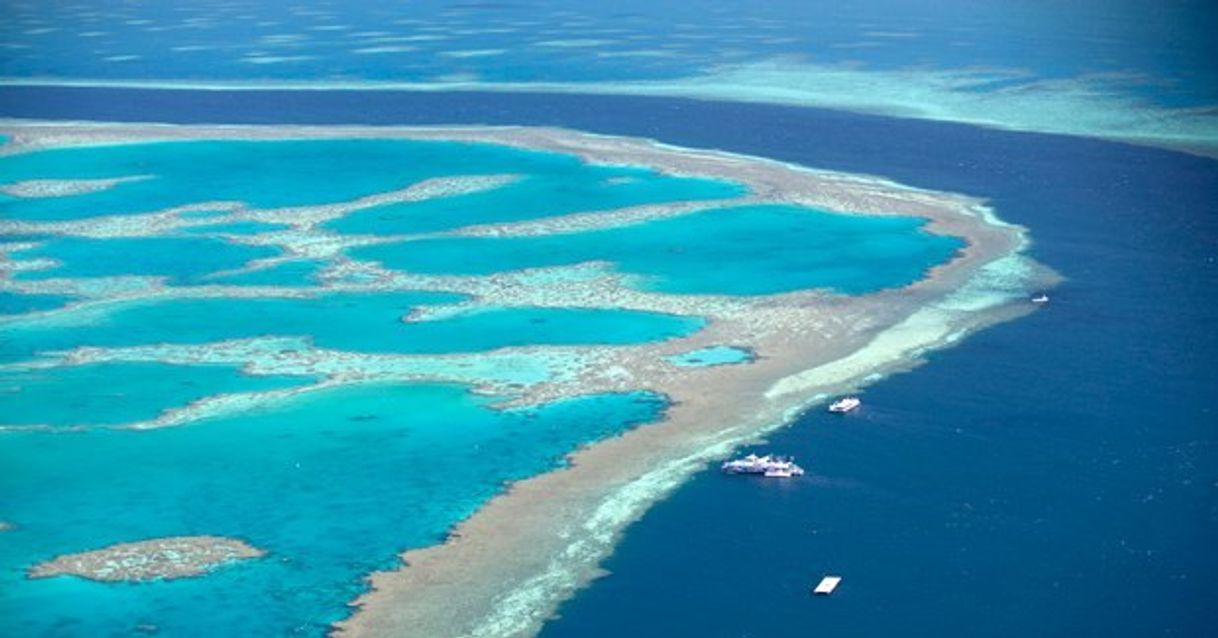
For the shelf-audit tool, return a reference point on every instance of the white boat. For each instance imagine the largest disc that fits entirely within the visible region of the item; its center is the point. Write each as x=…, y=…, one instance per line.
x=784, y=472
x=751, y=464
x=1041, y=298
x=827, y=585
x=768, y=466
x=844, y=405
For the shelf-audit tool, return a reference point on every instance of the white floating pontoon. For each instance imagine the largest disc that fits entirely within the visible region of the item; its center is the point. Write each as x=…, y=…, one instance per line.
x=827, y=585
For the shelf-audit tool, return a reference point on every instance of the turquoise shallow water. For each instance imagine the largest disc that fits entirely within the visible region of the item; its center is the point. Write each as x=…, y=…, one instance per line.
x=152, y=256
x=564, y=187
x=202, y=214
x=114, y=393
x=299, y=172
x=354, y=322
x=712, y=356
x=747, y=250
x=333, y=485
x=236, y=228
x=295, y=273
x=12, y=303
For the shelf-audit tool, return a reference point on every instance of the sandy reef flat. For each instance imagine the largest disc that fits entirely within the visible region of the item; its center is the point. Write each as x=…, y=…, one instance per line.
x=154, y=559
x=504, y=570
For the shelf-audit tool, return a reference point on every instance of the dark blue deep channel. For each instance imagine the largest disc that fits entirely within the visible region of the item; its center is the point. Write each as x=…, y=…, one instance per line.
x=1053, y=476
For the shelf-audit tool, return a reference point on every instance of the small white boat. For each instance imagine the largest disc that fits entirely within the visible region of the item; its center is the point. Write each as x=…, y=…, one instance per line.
x=844, y=405
x=827, y=585
x=1041, y=298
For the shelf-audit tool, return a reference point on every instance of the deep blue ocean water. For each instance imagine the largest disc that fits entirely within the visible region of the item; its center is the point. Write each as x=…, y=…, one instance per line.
x=1155, y=50
x=1052, y=476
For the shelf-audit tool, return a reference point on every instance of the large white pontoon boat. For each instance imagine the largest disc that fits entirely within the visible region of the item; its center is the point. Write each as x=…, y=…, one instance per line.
x=768, y=466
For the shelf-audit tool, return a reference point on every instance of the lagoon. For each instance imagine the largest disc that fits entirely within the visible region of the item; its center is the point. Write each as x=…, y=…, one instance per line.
x=746, y=250
x=147, y=256
x=121, y=392
x=357, y=322
x=277, y=174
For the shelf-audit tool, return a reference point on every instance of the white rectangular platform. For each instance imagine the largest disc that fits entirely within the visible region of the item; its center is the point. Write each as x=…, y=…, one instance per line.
x=827, y=585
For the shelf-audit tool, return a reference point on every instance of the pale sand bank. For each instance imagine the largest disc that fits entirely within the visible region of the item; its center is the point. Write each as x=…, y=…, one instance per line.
x=506, y=568
x=153, y=559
